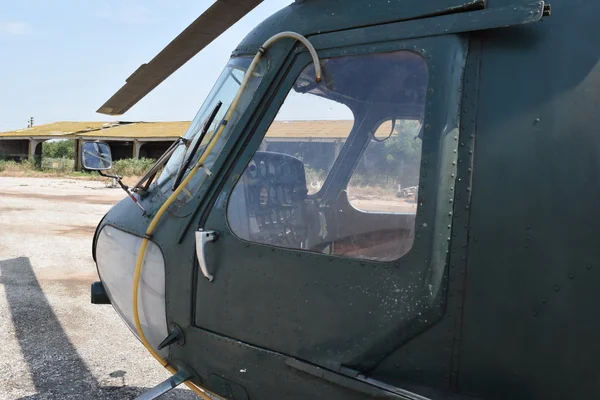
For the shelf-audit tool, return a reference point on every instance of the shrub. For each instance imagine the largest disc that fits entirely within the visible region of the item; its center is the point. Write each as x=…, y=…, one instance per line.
x=65, y=166
x=60, y=165
x=131, y=166
x=16, y=166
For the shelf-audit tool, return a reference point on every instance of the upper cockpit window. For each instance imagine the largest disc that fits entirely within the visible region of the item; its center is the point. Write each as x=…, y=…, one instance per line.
x=223, y=91
x=334, y=171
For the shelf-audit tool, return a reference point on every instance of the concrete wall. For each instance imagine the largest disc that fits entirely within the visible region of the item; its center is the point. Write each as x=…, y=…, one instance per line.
x=35, y=148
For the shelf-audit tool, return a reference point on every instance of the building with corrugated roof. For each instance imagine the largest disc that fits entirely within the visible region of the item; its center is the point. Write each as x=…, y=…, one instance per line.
x=151, y=139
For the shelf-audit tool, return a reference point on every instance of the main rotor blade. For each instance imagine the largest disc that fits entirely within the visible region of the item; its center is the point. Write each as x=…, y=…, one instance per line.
x=206, y=28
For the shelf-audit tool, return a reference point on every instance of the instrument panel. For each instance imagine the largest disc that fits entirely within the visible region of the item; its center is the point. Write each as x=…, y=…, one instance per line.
x=267, y=204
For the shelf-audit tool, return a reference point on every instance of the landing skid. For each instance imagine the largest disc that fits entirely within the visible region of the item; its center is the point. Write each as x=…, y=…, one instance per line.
x=165, y=386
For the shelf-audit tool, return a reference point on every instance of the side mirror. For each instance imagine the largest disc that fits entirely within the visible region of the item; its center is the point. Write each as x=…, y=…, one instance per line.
x=95, y=156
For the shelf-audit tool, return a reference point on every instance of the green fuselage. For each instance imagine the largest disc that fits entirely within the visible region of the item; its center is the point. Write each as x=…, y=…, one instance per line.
x=487, y=289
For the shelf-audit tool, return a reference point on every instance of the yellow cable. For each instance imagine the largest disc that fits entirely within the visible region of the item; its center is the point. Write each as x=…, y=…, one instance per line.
x=203, y=393
x=150, y=230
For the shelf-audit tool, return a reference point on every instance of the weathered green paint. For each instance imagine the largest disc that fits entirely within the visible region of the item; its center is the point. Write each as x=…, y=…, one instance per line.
x=509, y=174
x=315, y=17
x=432, y=358
x=309, y=332
x=530, y=304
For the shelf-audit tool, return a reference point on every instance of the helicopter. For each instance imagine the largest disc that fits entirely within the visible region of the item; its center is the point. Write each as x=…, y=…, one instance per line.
x=247, y=281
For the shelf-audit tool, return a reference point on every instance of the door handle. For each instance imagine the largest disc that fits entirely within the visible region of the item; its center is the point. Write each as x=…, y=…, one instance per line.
x=203, y=237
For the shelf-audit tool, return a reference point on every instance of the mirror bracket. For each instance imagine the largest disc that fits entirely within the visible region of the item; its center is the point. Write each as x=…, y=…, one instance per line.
x=101, y=151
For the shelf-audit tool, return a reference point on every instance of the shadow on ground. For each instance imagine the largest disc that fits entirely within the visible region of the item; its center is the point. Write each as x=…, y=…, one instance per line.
x=56, y=369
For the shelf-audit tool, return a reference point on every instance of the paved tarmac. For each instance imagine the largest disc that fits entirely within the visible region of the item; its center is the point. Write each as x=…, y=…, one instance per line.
x=55, y=344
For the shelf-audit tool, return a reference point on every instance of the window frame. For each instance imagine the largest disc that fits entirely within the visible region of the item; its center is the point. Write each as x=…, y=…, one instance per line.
x=325, y=191
x=421, y=272
x=427, y=212
x=352, y=171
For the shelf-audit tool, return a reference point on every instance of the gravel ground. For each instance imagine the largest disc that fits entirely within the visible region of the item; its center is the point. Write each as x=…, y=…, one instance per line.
x=55, y=344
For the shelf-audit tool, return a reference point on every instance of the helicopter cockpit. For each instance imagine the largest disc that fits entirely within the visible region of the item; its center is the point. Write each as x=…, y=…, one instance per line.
x=302, y=173
x=331, y=185
x=313, y=233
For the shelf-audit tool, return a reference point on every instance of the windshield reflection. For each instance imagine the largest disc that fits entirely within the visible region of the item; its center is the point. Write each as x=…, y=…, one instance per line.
x=224, y=91
x=193, y=150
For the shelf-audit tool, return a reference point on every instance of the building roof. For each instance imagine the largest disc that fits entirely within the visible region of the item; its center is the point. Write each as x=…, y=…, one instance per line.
x=54, y=129
x=323, y=130
x=140, y=130
x=326, y=129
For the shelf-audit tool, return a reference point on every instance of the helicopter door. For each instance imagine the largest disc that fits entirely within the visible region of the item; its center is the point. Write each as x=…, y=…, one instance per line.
x=330, y=233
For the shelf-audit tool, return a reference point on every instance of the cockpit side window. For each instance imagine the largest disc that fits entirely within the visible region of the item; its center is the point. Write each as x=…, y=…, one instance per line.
x=386, y=177
x=337, y=172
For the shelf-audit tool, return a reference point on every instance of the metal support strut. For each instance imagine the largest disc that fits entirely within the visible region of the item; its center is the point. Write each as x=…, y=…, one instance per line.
x=166, y=386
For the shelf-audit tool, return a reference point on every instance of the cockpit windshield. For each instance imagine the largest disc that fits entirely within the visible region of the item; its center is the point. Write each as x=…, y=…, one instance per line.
x=224, y=91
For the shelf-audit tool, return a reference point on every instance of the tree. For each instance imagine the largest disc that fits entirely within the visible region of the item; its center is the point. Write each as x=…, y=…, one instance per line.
x=402, y=153
x=59, y=149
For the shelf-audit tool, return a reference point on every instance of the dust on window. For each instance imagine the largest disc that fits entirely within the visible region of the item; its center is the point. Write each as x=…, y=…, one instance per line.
x=386, y=178
x=337, y=172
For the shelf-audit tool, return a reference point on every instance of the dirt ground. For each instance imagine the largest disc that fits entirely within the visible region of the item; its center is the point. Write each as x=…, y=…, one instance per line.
x=55, y=344
x=385, y=206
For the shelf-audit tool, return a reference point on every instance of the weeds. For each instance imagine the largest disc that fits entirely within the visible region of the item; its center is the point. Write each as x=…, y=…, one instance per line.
x=131, y=166
x=361, y=186
x=58, y=165
x=65, y=167
x=10, y=166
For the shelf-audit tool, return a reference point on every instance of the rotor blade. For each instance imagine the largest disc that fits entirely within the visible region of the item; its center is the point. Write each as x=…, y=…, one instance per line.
x=206, y=28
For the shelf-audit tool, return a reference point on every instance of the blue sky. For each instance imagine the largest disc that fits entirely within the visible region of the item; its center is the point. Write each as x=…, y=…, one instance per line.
x=61, y=59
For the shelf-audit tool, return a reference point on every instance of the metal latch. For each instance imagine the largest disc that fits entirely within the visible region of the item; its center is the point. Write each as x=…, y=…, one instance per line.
x=203, y=237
